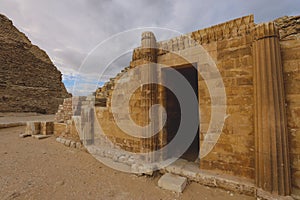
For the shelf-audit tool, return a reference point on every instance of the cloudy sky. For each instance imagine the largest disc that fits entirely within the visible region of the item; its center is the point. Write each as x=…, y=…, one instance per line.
x=68, y=30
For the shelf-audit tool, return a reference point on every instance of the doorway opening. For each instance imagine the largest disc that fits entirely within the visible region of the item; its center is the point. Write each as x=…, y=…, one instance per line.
x=173, y=108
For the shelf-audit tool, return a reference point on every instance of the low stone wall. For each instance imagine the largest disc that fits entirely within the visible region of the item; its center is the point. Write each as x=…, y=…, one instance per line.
x=70, y=107
x=66, y=130
x=39, y=128
x=70, y=143
x=64, y=125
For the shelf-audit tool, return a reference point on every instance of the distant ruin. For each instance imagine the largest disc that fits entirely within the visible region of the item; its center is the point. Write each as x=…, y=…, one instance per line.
x=29, y=82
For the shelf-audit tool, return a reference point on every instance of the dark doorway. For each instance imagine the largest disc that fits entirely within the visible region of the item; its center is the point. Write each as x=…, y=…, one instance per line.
x=173, y=109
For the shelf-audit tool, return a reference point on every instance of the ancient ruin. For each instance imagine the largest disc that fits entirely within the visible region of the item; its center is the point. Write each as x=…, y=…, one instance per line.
x=29, y=82
x=258, y=150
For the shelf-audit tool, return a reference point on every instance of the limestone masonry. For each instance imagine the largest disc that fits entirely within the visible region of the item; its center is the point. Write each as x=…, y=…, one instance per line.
x=260, y=141
x=29, y=82
x=259, y=65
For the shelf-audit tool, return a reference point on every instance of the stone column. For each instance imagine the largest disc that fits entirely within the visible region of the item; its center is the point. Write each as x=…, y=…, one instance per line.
x=271, y=139
x=149, y=56
x=88, y=120
x=149, y=50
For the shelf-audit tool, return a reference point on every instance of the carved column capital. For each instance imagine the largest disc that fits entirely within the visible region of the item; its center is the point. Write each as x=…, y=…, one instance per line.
x=265, y=30
x=148, y=48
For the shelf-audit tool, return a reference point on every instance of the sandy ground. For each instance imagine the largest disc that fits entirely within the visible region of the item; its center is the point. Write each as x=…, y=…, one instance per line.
x=45, y=169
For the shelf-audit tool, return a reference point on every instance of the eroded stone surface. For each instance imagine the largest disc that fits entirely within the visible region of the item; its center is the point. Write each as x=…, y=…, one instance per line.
x=29, y=80
x=230, y=45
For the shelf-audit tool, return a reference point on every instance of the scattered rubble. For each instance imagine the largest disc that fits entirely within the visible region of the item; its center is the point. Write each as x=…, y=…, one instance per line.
x=70, y=143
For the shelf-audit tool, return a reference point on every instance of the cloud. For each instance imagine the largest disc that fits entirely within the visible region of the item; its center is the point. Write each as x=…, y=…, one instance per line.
x=69, y=29
x=81, y=85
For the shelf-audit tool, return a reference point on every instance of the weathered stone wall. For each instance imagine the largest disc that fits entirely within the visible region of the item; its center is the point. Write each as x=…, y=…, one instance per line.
x=29, y=82
x=248, y=57
x=229, y=44
x=290, y=51
x=70, y=107
x=65, y=111
x=107, y=120
x=234, y=152
x=64, y=124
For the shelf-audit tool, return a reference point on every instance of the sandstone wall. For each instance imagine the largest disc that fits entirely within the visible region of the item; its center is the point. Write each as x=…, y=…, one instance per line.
x=106, y=119
x=236, y=47
x=234, y=152
x=290, y=50
x=29, y=82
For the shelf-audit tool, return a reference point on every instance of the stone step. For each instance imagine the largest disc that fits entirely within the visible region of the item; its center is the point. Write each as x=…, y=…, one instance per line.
x=41, y=136
x=172, y=182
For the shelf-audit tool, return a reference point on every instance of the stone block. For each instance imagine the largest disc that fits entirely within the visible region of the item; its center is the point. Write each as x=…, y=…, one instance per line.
x=191, y=170
x=73, y=130
x=33, y=128
x=78, y=145
x=47, y=128
x=62, y=140
x=73, y=144
x=172, y=182
x=177, y=166
x=59, y=128
x=40, y=137
x=68, y=143
x=58, y=139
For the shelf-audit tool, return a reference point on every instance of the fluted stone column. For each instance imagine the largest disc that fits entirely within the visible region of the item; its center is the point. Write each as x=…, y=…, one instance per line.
x=149, y=56
x=271, y=139
x=149, y=50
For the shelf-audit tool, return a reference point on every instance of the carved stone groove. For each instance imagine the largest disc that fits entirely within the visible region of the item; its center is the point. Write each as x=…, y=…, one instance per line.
x=271, y=139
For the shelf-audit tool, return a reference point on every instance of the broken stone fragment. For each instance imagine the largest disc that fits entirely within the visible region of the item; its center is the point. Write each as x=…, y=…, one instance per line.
x=78, y=145
x=73, y=144
x=47, y=128
x=68, y=143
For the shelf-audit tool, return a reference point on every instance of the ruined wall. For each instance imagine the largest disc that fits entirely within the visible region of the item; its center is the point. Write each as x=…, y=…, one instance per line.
x=65, y=111
x=106, y=119
x=29, y=82
x=64, y=124
x=290, y=51
x=249, y=57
